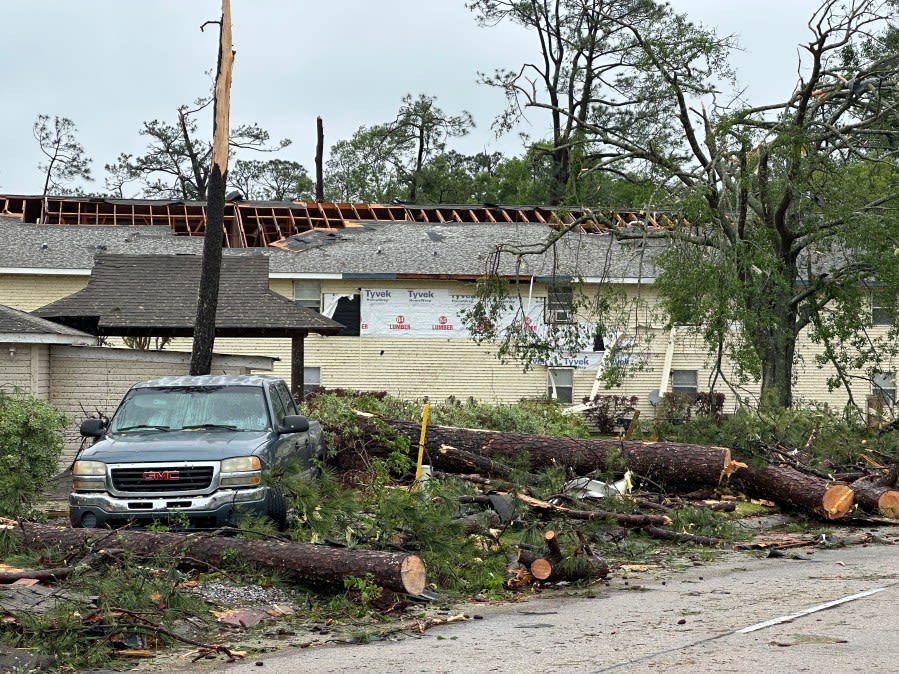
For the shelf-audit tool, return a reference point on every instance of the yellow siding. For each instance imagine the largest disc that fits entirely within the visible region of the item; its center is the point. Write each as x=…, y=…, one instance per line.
x=27, y=292
x=414, y=368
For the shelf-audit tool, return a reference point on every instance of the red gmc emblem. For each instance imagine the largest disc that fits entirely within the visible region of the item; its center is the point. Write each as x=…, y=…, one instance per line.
x=156, y=475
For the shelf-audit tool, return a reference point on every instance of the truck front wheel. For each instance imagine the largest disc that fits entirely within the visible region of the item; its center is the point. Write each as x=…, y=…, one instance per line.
x=277, y=507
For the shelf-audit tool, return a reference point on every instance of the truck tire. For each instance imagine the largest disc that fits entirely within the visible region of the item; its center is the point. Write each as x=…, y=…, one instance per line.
x=277, y=507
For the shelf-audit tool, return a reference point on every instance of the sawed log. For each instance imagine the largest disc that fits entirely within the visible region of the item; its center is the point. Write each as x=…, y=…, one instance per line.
x=399, y=572
x=789, y=487
x=874, y=497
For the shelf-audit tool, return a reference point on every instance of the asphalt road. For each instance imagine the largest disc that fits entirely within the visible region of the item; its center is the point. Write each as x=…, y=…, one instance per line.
x=814, y=610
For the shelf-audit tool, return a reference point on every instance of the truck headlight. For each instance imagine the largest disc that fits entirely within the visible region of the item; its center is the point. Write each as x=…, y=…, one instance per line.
x=89, y=476
x=241, y=471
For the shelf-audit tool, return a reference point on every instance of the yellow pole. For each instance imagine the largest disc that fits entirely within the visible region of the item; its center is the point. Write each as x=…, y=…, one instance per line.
x=425, y=410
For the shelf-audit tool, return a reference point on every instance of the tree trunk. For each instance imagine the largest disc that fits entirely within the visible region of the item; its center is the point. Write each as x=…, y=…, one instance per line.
x=207, y=296
x=318, y=563
x=319, y=153
x=787, y=486
x=674, y=466
x=876, y=498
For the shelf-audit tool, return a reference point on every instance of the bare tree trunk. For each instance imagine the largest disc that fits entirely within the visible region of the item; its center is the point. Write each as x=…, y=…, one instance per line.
x=207, y=296
x=319, y=153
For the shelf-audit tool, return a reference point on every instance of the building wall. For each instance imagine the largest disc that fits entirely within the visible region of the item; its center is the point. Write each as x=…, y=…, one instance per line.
x=439, y=368
x=27, y=292
x=23, y=368
x=86, y=381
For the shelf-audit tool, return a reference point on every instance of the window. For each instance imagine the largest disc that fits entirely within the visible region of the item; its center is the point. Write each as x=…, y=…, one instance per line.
x=684, y=382
x=312, y=378
x=560, y=305
x=883, y=387
x=560, y=385
x=881, y=311
x=308, y=294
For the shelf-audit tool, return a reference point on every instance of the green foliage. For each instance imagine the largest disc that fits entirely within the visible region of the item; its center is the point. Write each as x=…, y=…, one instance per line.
x=127, y=599
x=606, y=411
x=539, y=417
x=31, y=442
x=820, y=437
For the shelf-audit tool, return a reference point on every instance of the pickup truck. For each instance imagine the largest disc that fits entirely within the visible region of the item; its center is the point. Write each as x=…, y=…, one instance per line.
x=204, y=448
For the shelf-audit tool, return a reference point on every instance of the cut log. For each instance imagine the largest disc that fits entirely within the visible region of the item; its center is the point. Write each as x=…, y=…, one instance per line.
x=671, y=465
x=789, y=487
x=318, y=563
x=876, y=498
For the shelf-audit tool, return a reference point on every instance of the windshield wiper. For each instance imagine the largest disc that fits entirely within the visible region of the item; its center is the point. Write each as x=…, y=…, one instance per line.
x=195, y=427
x=142, y=427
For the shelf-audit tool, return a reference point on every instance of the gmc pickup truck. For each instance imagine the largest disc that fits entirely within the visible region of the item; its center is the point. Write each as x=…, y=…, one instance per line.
x=205, y=448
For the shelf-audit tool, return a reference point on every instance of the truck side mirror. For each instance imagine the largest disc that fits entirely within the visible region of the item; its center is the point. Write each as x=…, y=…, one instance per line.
x=294, y=423
x=93, y=428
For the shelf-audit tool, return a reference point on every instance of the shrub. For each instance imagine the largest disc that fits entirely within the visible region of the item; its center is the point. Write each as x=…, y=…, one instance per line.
x=31, y=442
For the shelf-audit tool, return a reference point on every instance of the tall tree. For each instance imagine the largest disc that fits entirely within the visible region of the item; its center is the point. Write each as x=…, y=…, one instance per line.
x=794, y=201
x=66, y=159
x=387, y=161
x=207, y=297
x=582, y=43
x=274, y=180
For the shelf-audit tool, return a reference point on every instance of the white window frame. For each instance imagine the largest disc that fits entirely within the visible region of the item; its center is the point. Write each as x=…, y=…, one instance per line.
x=308, y=293
x=312, y=378
x=880, y=315
x=559, y=305
x=883, y=386
x=560, y=384
x=685, y=382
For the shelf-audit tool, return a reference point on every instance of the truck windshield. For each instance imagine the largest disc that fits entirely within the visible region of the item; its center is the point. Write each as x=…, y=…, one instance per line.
x=230, y=408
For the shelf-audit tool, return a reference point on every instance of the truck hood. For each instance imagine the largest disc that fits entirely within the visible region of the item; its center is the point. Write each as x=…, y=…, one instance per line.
x=167, y=446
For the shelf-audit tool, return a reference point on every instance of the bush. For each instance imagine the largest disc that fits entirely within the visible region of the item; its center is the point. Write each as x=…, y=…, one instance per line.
x=31, y=442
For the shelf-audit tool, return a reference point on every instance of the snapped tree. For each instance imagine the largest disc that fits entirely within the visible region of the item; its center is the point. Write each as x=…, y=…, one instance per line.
x=785, y=212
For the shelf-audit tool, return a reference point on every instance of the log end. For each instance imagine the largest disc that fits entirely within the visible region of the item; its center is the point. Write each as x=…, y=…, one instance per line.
x=837, y=501
x=888, y=504
x=541, y=569
x=412, y=573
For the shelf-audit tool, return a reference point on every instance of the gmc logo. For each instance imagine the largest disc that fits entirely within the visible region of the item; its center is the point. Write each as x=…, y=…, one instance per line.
x=156, y=475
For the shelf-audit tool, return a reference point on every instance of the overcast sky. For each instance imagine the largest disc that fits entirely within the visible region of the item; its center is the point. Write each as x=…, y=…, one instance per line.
x=109, y=65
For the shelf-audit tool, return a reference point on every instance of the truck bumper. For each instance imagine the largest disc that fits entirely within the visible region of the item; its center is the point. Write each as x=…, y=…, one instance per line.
x=97, y=509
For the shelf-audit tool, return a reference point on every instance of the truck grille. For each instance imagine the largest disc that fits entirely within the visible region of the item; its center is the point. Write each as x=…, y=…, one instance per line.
x=161, y=479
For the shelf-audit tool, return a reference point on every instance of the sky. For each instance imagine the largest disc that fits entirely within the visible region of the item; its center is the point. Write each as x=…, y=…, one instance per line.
x=110, y=65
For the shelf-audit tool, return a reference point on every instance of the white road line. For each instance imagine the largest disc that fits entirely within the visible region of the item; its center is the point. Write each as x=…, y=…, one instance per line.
x=813, y=609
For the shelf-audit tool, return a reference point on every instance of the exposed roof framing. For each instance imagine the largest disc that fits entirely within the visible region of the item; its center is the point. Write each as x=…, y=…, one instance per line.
x=258, y=224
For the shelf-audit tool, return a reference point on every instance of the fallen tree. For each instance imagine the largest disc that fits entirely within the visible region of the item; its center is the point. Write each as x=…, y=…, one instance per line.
x=400, y=572
x=668, y=465
x=789, y=487
x=874, y=497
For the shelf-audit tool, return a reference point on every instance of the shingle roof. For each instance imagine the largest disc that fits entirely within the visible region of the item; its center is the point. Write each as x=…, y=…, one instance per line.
x=399, y=249
x=18, y=325
x=157, y=295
